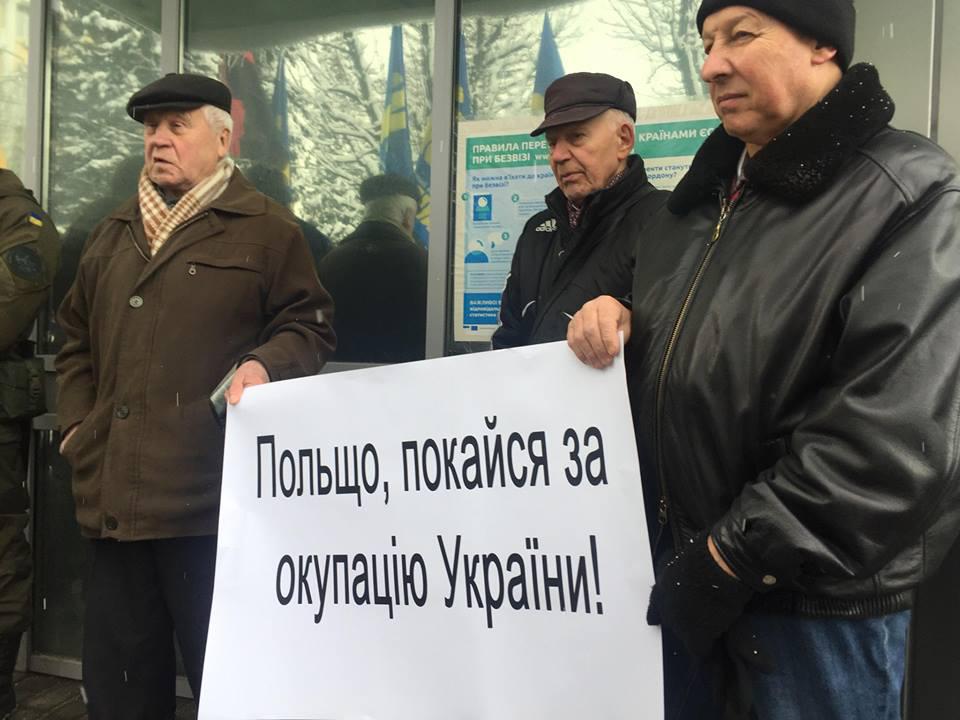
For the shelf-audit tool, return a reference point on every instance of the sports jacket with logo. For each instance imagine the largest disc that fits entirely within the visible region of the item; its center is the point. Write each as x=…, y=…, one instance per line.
x=595, y=258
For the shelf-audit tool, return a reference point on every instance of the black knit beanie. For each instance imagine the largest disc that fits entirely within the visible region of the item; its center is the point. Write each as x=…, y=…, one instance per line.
x=830, y=22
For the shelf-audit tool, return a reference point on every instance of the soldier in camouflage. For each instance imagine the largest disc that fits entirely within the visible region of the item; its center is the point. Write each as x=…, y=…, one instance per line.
x=29, y=252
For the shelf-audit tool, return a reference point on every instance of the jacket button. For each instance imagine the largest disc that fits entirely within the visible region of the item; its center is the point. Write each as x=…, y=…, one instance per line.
x=192, y=270
x=769, y=580
x=136, y=301
x=110, y=522
x=122, y=412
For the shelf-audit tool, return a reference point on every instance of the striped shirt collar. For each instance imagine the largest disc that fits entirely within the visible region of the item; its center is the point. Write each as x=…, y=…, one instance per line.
x=574, y=212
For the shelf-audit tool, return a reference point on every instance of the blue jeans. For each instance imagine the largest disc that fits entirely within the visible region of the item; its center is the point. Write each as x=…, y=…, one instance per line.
x=823, y=669
x=830, y=668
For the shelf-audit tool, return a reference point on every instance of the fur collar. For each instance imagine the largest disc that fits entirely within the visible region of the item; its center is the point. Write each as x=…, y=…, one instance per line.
x=798, y=164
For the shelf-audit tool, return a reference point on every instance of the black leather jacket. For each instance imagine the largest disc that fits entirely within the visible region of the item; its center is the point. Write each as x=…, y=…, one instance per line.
x=536, y=308
x=795, y=358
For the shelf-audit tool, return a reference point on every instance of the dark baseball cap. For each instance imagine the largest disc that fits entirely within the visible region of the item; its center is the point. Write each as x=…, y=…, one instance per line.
x=179, y=91
x=381, y=186
x=581, y=96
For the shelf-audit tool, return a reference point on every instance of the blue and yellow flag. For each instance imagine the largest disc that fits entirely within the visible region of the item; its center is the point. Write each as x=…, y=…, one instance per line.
x=279, y=108
x=395, y=154
x=549, y=66
x=464, y=105
x=421, y=230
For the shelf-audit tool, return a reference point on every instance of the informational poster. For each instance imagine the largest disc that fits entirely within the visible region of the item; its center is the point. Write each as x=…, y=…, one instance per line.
x=503, y=175
x=393, y=547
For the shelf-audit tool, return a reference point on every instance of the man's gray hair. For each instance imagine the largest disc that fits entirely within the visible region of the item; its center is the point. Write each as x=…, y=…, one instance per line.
x=399, y=210
x=217, y=119
x=617, y=117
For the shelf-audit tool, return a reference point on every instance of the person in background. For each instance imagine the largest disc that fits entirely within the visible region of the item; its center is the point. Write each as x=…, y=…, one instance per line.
x=272, y=183
x=377, y=276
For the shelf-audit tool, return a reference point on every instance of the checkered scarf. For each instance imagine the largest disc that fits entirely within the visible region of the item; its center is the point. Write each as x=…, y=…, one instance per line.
x=159, y=221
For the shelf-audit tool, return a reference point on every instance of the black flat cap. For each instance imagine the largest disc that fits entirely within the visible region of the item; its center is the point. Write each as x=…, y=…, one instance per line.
x=381, y=186
x=178, y=91
x=581, y=96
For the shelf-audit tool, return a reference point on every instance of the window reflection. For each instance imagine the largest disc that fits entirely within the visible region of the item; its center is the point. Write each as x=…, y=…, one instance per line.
x=100, y=53
x=314, y=117
x=652, y=44
x=14, y=18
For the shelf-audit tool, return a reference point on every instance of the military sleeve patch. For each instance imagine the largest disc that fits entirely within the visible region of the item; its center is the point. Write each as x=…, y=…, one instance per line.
x=25, y=262
x=35, y=219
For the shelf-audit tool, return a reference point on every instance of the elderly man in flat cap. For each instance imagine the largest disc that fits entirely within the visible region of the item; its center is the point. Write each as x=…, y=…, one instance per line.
x=794, y=372
x=194, y=275
x=377, y=276
x=581, y=246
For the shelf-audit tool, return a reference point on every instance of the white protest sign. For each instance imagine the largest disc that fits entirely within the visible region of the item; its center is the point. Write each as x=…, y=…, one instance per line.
x=395, y=546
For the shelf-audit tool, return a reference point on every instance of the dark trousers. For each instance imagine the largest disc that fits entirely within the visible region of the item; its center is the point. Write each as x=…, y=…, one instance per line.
x=16, y=567
x=138, y=596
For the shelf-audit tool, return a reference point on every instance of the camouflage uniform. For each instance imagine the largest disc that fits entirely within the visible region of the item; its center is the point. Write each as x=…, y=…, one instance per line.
x=29, y=251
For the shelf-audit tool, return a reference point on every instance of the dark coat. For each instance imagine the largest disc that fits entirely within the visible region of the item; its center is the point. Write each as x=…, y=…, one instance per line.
x=540, y=297
x=29, y=253
x=147, y=340
x=794, y=369
x=378, y=279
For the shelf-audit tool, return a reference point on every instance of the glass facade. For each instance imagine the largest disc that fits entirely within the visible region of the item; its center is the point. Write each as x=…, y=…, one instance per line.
x=948, y=125
x=506, y=54
x=330, y=94
x=99, y=55
x=318, y=108
x=14, y=46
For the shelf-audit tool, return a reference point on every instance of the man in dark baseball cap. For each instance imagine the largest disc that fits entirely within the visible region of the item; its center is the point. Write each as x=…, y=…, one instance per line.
x=379, y=265
x=583, y=95
x=603, y=199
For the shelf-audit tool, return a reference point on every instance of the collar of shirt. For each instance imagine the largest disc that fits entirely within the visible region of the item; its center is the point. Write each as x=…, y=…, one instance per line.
x=168, y=199
x=736, y=185
x=574, y=212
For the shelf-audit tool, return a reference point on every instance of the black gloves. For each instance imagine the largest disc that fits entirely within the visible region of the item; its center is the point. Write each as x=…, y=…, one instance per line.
x=695, y=598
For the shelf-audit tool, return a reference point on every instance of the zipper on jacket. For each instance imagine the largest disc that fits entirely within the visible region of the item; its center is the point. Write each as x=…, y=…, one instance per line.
x=727, y=206
x=136, y=244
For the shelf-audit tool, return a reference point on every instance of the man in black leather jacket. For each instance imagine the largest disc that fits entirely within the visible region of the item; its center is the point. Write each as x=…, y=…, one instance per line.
x=794, y=372
x=581, y=246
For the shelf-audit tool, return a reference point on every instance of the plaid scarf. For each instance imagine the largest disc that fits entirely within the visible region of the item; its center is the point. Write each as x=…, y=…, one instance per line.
x=159, y=221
